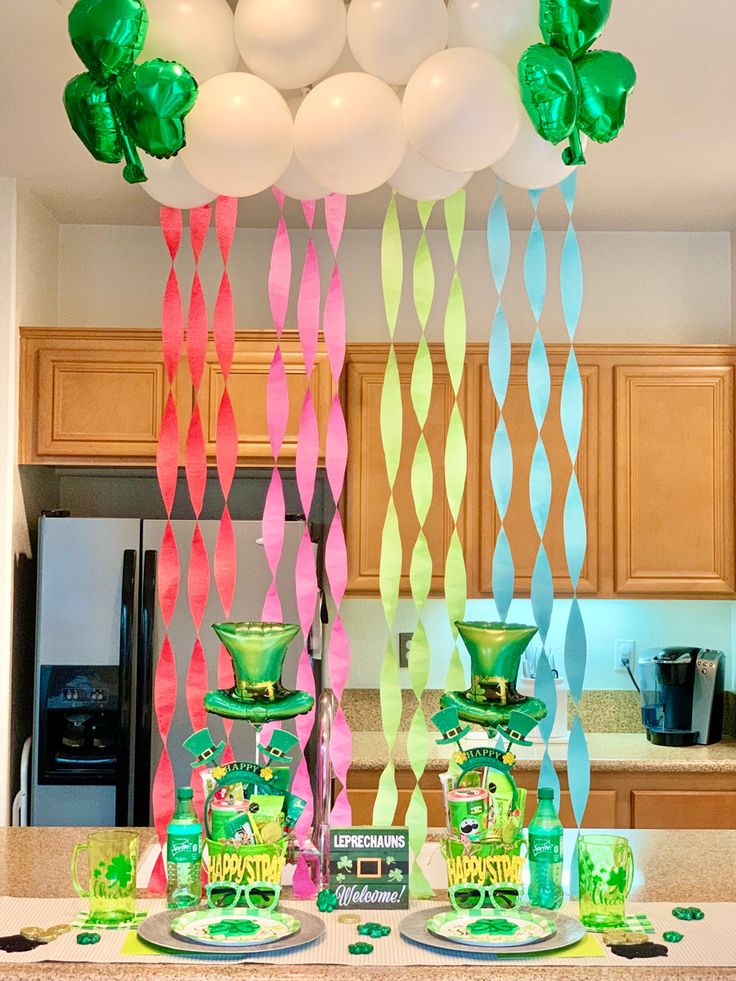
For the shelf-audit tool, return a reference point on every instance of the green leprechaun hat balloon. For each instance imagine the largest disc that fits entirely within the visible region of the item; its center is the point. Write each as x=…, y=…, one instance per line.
x=257, y=650
x=495, y=655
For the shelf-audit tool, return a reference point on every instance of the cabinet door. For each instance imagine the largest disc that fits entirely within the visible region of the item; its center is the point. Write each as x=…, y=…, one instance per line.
x=674, y=479
x=683, y=809
x=367, y=483
x=86, y=397
x=519, y=524
x=247, y=387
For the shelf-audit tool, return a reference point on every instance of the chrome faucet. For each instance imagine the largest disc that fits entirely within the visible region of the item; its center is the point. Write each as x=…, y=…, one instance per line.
x=316, y=849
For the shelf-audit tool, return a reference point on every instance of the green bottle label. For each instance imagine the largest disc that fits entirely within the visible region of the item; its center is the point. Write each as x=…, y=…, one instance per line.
x=544, y=850
x=183, y=849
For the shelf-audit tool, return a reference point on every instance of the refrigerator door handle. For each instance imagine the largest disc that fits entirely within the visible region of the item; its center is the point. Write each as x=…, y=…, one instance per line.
x=125, y=681
x=144, y=693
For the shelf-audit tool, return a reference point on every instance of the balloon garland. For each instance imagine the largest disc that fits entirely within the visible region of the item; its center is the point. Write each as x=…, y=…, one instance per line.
x=319, y=110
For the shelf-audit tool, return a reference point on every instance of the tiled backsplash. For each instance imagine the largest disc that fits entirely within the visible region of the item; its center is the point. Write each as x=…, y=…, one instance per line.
x=601, y=711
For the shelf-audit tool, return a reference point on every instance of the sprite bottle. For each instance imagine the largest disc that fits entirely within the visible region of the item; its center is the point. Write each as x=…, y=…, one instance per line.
x=545, y=853
x=184, y=853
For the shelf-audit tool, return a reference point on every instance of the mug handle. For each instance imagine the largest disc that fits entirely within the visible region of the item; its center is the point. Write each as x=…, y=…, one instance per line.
x=78, y=849
x=629, y=868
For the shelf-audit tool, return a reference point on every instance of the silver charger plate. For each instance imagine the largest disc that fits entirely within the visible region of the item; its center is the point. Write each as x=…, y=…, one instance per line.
x=156, y=930
x=414, y=928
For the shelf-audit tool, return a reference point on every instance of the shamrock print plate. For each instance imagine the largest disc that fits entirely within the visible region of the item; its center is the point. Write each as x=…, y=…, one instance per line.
x=233, y=927
x=490, y=928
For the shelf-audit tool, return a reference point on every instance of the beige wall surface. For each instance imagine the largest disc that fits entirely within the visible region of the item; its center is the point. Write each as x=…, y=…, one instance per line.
x=655, y=287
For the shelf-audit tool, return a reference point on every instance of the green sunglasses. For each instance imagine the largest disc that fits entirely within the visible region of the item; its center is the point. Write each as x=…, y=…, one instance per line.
x=261, y=896
x=501, y=896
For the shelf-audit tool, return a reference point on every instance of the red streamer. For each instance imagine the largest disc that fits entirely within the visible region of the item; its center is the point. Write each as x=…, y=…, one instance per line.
x=167, y=460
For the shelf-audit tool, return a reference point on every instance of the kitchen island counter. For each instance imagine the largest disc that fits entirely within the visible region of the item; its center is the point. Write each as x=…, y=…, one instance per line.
x=681, y=866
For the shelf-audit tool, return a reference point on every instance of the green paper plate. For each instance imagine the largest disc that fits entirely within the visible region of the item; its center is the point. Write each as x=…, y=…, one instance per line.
x=233, y=927
x=516, y=928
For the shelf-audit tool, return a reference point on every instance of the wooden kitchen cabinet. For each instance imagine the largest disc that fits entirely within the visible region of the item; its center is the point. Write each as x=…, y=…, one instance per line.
x=522, y=432
x=96, y=397
x=632, y=798
x=674, y=514
x=367, y=483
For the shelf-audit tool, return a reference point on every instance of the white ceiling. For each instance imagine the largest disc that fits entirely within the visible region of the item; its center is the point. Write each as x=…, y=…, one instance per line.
x=672, y=168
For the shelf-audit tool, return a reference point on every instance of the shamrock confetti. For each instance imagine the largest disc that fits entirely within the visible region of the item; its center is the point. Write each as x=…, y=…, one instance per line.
x=672, y=937
x=88, y=938
x=360, y=948
x=326, y=901
x=374, y=930
x=688, y=913
x=117, y=105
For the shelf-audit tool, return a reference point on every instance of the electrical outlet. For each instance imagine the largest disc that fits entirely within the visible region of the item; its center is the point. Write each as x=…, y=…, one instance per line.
x=623, y=650
x=404, y=645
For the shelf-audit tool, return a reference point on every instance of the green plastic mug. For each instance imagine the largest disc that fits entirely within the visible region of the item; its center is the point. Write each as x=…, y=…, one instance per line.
x=606, y=874
x=112, y=857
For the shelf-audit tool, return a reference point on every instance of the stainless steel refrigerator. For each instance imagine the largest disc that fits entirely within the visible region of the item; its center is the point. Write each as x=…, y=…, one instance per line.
x=98, y=636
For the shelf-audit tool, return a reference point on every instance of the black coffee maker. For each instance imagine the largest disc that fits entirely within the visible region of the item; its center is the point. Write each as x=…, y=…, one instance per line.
x=681, y=692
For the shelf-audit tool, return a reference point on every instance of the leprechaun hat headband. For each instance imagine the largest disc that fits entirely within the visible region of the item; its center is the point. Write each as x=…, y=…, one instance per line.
x=448, y=723
x=201, y=745
x=518, y=728
x=257, y=650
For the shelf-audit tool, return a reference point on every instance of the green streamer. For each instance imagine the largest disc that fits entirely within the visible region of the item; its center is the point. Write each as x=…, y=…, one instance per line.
x=392, y=275
x=420, y=569
x=456, y=450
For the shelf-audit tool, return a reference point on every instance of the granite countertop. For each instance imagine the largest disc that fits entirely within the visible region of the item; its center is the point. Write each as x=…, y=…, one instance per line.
x=669, y=864
x=609, y=751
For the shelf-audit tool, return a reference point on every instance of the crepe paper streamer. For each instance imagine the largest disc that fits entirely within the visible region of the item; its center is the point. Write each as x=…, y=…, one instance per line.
x=167, y=462
x=226, y=441
x=456, y=449
x=307, y=456
x=336, y=558
x=420, y=568
x=575, y=535
x=392, y=275
x=277, y=409
x=540, y=484
x=195, y=466
x=499, y=370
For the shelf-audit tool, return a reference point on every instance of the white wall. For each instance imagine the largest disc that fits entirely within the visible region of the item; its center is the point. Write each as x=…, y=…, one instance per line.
x=650, y=623
x=639, y=286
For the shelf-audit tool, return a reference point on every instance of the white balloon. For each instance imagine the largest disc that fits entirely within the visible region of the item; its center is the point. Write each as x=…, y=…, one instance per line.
x=239, y=135
x=170, y=183
x=462, y=109
x=200, y=36
x=503, y=27
x=295, y=182
x=420, y=180
x=348, y=134
x=290, y=43
x=391, y=38
x=532, y=162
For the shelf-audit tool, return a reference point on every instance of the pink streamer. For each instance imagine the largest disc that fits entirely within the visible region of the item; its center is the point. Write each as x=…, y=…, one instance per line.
x=338, y=653
x=277, y=410
x=167, y=462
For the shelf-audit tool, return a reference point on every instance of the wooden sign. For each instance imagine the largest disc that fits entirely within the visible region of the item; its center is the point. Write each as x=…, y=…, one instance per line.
x=369, y=867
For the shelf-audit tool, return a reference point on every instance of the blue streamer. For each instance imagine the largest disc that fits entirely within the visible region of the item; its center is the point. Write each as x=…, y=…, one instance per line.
x=499, y=370
x=571, y=415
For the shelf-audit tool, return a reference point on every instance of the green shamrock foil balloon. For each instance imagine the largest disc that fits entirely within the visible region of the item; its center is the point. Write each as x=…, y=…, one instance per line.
x=117, y=106
x=567, y=89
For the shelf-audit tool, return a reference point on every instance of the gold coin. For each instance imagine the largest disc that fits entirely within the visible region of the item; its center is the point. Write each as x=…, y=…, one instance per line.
x=636, y=937
x=271, y=832
x=32, y=932
x=61, y=927
x=349, y=918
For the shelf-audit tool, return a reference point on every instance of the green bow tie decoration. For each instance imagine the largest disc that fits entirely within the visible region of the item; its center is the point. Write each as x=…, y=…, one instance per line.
x=567, y=89
x=117, y=106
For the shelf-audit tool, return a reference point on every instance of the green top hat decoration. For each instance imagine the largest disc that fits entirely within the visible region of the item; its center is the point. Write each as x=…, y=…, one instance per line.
x=518, y=728
x=279, y=746
x=201, y=745
x=257, y=650
x=495, y=651
x=448, y=723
